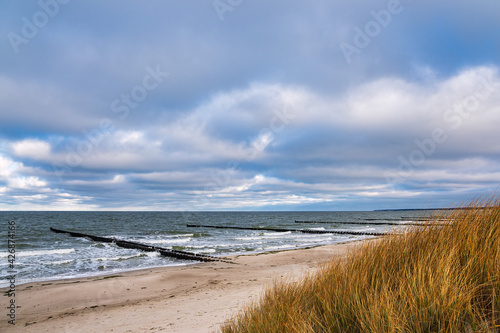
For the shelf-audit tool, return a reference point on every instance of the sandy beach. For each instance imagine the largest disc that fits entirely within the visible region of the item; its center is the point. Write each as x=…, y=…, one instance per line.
x=193, y=298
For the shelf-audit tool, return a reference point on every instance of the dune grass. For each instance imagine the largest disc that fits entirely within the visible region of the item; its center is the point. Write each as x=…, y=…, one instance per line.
x=428, y=279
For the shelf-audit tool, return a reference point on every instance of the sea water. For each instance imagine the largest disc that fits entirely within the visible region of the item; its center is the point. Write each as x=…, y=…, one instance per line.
x=42, y=255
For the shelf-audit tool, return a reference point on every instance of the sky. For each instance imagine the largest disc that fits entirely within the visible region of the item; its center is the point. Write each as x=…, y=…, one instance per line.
x=248, y=105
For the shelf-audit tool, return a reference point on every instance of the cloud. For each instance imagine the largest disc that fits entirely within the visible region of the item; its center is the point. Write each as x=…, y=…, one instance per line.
x=31, y=106
x=26, y=183
x=321, y=150
x=32, y=148
x=292, y=134
x=19, y=190
x=250, y=116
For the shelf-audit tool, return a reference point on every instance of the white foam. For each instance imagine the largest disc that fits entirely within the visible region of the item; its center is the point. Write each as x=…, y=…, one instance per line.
x=183, y=235
x=248, y=238
x=205, y=251
x=61, y=262
x=365, y=229
x=166, y=241
x=266, y=235
x=119, y=258
x=20, y=253
x=276, y=234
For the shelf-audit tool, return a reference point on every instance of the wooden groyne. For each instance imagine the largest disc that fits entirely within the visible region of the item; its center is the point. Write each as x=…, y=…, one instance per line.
x=354, y=222
x=143, y=247
x=418, y=219
x=372, y=222
x=427, y=219
x=305, y=231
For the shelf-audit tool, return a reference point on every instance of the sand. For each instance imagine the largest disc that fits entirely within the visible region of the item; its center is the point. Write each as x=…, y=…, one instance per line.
x=192, y=298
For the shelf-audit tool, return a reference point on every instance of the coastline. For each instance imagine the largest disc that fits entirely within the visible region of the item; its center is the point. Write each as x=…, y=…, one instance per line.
x=189, y=298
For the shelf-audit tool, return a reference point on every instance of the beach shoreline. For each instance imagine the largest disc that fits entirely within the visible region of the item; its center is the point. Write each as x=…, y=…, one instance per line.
x=189, y=298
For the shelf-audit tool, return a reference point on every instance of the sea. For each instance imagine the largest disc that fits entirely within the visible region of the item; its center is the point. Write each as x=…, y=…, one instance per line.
x=43, y=255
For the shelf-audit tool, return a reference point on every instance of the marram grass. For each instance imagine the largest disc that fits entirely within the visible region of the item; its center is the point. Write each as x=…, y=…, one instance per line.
x=433, y=278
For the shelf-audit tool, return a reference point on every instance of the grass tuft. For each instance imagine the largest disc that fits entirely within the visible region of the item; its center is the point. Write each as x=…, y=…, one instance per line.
x=431, y=278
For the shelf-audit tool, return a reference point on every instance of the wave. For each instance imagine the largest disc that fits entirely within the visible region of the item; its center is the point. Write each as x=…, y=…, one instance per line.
x=265, y=235
x=140, y=254
x=182, y=235
x=37, y=253
x=165, y=241
x=62, y=262
x=205, y=251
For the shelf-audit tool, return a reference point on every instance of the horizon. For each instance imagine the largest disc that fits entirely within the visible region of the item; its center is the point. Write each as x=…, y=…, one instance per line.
x=232, y=211
x=248, y=106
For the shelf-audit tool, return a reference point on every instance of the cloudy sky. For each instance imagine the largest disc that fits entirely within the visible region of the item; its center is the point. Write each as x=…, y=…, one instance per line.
x=248, y=104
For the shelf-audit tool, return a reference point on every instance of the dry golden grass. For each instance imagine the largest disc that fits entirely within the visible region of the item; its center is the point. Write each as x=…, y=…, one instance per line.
x=428, y=279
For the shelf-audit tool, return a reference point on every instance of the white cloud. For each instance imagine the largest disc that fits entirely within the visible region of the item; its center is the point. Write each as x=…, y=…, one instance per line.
x=26, y=182
x=6, y=166
x=132, y=137
x=114, y=182
x=32, y=148
x=317, y=149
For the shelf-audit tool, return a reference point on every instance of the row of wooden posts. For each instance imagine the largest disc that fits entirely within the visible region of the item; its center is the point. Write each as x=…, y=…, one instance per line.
x=202, y=257
x=144, y=247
